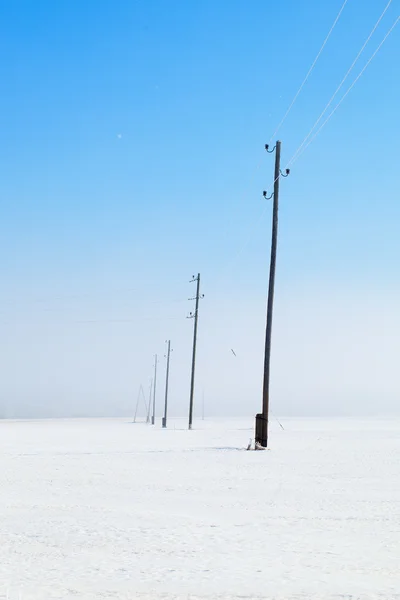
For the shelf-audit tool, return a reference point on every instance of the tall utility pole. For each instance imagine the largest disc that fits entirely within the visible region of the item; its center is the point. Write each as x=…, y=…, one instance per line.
x=153, y=418
x=164, y=421
x=262, y=419
x=194, y=316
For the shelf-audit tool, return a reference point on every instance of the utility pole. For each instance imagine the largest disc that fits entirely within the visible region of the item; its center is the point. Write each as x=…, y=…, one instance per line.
x=262, y=419
x=164, y=421
x=140, y=395
x=149, y=407
x=194, y=316
x=153, y=418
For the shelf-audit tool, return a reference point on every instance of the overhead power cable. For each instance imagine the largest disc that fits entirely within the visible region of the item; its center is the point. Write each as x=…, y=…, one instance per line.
x=341, y=83
x=298, y=154
x=310, y=70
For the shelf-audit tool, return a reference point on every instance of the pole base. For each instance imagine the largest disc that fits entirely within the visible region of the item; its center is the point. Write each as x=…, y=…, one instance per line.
x=261, y=430
x=152, y=420
x=164, y=422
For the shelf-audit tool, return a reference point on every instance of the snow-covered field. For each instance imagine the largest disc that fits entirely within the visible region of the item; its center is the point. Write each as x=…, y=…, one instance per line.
x=109, y=509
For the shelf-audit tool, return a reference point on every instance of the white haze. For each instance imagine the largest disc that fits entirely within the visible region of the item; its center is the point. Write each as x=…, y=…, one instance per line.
x=334, y=353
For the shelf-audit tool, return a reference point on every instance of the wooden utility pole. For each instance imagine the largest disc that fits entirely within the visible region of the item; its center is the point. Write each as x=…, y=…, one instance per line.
x=164, y=421
x=194, y=316
x=262, y=419
x=153, y=418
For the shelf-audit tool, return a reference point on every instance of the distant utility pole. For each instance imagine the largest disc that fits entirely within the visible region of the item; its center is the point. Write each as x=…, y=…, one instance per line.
x=164, y=421
x=149, y=407
x=139, y=397
x=262, y=419
x=194, y=316
x=153, y=418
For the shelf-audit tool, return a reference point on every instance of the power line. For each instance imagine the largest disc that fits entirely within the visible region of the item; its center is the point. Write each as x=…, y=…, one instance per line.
x=341, y=83
x=296, y=96
x=248, y=239
x=350, y=88
x=297, y=154
x=260, y=217
x=309, y=72
x=300, y=151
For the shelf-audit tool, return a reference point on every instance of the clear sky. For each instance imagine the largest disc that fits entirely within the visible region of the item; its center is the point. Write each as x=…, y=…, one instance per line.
x=132, y=137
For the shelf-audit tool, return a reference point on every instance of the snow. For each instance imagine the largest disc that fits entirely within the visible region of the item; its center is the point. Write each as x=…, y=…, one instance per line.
x=109, y=509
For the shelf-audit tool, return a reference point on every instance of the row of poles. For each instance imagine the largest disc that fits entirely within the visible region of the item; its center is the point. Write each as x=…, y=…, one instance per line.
x=153, y=385
x=262, y=419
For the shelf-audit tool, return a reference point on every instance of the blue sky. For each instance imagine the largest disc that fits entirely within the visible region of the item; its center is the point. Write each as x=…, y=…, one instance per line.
x=132, y=157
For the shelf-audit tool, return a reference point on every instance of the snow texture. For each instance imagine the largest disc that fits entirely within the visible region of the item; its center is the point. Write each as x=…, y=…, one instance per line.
x=108, y=509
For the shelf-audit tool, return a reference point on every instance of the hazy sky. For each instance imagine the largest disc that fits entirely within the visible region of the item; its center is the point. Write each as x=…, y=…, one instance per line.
x=132, y=158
